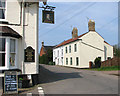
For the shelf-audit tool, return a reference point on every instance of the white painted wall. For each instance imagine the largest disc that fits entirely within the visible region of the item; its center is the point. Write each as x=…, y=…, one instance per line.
x=89, y=46
x=58, y=54
x=28, y=30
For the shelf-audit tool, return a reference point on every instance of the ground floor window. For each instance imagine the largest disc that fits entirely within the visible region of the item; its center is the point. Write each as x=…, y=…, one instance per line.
x=7, y=52
x=2, y=51
x=70, y=60
x=12, y=52
x=66, y=61
x=77, y=61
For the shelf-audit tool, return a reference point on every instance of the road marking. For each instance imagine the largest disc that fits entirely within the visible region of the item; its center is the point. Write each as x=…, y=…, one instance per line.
x=39, y=88
x=40, y=91
x=29, y=94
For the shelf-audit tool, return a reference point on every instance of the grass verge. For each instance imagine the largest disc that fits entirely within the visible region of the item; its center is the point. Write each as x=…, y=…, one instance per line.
x=112, y=68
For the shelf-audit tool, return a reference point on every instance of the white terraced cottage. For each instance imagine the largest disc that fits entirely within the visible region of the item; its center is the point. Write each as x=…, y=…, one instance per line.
x=19, y=36
x=80, y=50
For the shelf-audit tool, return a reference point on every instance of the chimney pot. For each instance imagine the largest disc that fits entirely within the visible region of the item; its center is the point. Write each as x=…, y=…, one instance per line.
x=91, y=25
x=74, y=33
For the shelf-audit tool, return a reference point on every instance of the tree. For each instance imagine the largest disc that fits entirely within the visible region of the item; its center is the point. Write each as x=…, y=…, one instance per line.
x=46, y=58
x=43, y=59
x=116, y=51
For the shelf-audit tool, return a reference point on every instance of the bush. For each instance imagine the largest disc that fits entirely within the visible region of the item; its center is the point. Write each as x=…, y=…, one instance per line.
x=51, y=63
x=97, y=62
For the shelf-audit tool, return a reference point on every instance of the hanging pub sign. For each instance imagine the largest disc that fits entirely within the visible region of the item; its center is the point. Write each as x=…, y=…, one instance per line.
x=47, y=16
x=29, y=54
x=10, y=82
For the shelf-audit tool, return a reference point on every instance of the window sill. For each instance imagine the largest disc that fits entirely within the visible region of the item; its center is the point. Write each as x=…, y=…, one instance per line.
x=3, y=21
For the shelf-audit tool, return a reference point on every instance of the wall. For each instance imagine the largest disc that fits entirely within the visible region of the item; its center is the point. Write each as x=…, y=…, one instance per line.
x=72, y=54
x=92, y=46
x=28, y=30
x=112, y=62
x=59, y=56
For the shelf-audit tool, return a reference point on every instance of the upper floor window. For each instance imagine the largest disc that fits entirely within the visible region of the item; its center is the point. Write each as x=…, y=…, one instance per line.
x=2, y=9
x=70, y=49
x=75, y=47
x=58, y=53
x=66, y=49
x=62, y=52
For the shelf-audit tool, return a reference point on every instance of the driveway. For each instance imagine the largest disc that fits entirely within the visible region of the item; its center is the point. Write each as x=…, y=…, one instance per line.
x=62, y=80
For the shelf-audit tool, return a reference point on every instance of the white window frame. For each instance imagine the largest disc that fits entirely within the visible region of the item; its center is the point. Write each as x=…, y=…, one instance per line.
x=7, y=54
x=4, y=67
x=5, y=11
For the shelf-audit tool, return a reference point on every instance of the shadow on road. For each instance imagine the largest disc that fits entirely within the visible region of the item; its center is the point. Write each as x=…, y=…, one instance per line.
x=47, y=76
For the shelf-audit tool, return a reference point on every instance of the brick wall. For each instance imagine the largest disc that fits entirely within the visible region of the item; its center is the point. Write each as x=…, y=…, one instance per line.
x=112, y=62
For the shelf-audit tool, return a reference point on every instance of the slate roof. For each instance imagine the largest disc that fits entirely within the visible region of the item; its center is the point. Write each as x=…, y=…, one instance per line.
x=7, y=31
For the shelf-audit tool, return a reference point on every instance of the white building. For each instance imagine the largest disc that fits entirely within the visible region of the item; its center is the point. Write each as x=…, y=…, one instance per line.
x=58, y=55
x=80, y=50
x=19, y=36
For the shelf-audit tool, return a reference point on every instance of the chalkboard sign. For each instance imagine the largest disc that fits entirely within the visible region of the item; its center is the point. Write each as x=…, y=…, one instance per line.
x=10, y=82
x=29, y=54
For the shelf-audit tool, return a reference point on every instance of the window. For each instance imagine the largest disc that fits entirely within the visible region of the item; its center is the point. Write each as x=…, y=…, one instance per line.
x=70, y=49
x=12, y=52
x=66, y=61
x=75, y=47
x=62, y=52
x=77, y=61
x=71, y=61
x=58, y=53
x=2, y=51
x=62, y=60
x=66, y=49
x=2, y=9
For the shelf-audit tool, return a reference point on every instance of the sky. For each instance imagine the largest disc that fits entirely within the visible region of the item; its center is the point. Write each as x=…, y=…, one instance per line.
x=77, y=14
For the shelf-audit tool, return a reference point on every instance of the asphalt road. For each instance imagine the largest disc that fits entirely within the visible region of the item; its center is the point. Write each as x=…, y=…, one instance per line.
x=62, y=80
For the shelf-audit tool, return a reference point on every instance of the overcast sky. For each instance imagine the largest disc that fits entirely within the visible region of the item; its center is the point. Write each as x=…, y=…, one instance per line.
x=76, y=14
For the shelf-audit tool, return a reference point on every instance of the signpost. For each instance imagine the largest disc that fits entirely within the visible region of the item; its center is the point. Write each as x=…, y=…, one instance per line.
x=10, y=82
x=47, y=16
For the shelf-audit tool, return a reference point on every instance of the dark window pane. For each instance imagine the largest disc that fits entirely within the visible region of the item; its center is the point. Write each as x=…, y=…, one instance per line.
x=2, y=44
x=2, y=59
x=2, y=4
x=2, y=14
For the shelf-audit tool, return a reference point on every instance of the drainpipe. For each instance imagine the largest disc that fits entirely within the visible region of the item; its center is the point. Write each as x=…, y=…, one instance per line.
x=23, y=35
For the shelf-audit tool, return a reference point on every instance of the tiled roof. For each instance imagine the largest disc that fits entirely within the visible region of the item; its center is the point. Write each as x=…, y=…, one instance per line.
x=107, y=43
x=7, y=31
x=70, y=40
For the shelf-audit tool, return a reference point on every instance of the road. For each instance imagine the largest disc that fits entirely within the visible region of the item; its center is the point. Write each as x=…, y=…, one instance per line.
x=62, y=80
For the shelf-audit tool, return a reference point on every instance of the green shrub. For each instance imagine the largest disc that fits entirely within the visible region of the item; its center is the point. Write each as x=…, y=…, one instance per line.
x=97, y=62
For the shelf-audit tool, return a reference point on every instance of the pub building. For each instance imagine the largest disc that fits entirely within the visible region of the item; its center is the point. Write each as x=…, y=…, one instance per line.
x=19, y=38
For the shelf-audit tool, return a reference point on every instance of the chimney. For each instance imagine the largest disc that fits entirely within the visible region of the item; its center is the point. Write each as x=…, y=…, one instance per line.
x=91, y=25
x=42, y=43
x=74, y=33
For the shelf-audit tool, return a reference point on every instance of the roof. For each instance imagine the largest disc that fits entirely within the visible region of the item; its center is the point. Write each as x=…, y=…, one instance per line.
x=7, y=31
x=74, y=39
x=48, y=47
x=107, y=43
x=70, y=40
